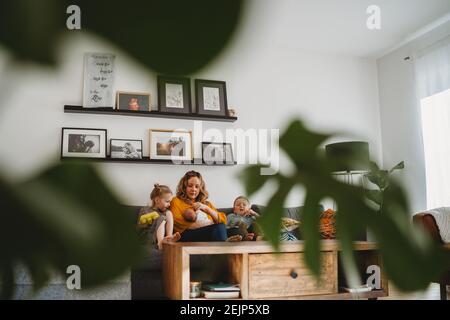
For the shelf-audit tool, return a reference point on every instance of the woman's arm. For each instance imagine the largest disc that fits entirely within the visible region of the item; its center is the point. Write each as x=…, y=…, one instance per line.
x=218, y=217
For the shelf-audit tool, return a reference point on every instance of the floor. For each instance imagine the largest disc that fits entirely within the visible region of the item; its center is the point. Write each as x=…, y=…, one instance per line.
x=432, y=293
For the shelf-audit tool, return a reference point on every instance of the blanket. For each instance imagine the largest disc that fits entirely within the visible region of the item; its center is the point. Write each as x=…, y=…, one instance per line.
x=442, y=217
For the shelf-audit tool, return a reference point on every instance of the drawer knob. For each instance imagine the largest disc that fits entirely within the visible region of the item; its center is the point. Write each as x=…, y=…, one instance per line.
x=293, y=274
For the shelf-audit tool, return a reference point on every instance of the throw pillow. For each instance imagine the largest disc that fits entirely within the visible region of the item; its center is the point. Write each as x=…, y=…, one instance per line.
x=327, y=224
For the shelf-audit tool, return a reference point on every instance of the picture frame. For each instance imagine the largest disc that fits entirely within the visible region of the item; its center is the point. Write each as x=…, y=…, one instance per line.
x=83, y=143
x=133, y=101
x=211, y=97
x=125, y=149
x=98, y=80
x=175, y=145
x=174, y=94
x=217, y=153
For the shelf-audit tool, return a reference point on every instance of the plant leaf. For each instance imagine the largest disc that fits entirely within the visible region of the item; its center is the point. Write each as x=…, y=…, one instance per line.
x=302, y=145
x=67, y=216
x=375, y=196
x=270, y=220
x=169, y=36
x=398, y=166
x=310, y=232
x=35, y=37
x=252, y=179
x=6, y=281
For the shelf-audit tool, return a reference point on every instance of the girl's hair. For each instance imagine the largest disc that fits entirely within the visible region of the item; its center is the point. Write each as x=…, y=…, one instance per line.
x=158, y=191
x=182, y=185
x=241, y=198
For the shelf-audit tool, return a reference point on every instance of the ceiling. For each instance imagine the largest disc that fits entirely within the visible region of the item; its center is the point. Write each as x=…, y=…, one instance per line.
x=339, y=26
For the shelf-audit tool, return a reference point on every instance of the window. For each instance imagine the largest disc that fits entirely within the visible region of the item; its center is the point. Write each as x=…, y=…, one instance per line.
x=435, y=111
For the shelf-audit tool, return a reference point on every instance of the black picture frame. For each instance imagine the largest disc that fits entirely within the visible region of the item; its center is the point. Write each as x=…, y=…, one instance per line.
x=72, y=146
x=164, y=105
x=216, y=103
x=225, y=155
x=132, y=154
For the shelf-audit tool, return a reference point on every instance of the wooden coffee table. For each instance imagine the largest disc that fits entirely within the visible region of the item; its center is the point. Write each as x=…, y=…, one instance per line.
x=264, y=274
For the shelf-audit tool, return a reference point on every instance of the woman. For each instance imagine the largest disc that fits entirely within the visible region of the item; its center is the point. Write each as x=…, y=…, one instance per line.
x=192, y=194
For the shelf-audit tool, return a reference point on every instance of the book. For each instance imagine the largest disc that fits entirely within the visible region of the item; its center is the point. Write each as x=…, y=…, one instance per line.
x=360, y=289
x=221, y=287
x=221, y=294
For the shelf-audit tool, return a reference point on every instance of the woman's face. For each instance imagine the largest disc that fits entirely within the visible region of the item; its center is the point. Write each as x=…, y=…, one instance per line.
x=193, y=188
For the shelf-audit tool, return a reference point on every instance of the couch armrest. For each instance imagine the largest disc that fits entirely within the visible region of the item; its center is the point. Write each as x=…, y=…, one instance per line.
x=427, y=222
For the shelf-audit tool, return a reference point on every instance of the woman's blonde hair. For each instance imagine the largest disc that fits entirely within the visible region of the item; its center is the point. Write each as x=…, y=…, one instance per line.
x=182, y=185
x=158, y=191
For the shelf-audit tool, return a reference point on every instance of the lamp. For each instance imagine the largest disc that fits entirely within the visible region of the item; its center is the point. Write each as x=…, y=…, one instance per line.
x=349, y=158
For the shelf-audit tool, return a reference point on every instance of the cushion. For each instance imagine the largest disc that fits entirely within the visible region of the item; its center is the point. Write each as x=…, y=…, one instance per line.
x=327, y=224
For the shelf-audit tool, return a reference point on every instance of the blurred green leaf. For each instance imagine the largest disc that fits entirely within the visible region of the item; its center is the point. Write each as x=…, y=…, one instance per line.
x=67, y=216
x=310, y=232
x=6, y=280
x=173, y=37
x=30, y=29
x=375, y=195
x=253, y=180
x=400, y=246
x=270, y=220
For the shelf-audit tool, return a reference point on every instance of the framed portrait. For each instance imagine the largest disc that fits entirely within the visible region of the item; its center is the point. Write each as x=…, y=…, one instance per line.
x=133, y=101
x=83, y=143
x=126, y=149
x=217, y=153
x=211, y=97
x=170, y=144
x=174, y=94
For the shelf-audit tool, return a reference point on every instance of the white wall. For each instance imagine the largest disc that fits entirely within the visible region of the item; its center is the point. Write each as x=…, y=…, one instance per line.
x=400, y=115
x=268, y=85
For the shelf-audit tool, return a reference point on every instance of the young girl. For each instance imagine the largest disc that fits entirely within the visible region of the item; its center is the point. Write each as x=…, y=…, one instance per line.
x=161, y=228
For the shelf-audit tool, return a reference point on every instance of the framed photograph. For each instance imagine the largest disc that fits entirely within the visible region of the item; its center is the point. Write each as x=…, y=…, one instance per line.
x=126, y=149
x=217, y=153
x=83, y=143
x=174, y=94
x=211, y=97
x=134, y=101
x=170, y=144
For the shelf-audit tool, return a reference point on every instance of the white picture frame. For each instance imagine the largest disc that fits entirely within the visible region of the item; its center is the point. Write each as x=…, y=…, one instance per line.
x=83, y=143
x=175, y=145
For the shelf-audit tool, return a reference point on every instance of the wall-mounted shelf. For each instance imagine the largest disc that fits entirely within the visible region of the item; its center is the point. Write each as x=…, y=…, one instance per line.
x=196, y=162
x=151, y=114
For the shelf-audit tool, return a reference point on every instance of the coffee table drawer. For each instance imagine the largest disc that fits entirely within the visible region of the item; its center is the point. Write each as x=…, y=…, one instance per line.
x=286, y=275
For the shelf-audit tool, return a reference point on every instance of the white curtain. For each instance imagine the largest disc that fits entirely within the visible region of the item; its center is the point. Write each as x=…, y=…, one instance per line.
x=432, y=67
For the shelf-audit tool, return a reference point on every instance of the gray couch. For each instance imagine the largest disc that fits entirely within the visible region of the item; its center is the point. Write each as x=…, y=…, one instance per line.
x=146, y=278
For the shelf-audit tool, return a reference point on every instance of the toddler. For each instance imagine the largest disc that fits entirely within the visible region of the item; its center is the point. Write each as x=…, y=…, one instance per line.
x=156, y=221
x=242, y=220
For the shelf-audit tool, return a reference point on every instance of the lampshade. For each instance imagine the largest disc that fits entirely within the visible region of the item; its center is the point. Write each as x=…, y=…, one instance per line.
x=349, y=156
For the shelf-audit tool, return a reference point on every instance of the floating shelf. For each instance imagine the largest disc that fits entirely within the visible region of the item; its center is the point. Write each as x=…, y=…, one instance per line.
x=151, y=114
x=195, y=162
